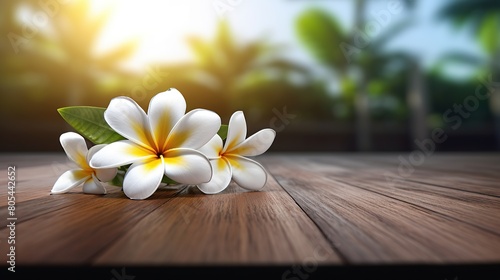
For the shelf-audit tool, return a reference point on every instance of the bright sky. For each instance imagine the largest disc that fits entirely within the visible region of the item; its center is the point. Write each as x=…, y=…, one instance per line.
x=162, y=26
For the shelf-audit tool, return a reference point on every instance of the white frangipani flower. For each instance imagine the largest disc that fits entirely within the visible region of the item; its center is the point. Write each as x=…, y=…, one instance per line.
x=229, y=161
x=76, y=149
x=165, y=141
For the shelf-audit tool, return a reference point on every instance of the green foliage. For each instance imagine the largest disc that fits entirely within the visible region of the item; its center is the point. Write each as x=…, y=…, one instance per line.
x=372, y=70
x=223, y=131
x=90, y=122
x=168, y=181
x=488, y=33
x=482, y=15
x=120, y=176
x=229, y=74
x=122, y=170
x=321, y=34
x=448, y=92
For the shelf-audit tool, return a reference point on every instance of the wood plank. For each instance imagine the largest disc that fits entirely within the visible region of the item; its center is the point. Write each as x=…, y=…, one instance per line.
x=34, y=201
x=35, y=206
x=76, y=233
x=469, y=207
x=437, y=170
x=470, y=169
x=333, y=209
x=475, y=209
x=74, y=228
x=233, y=227
x=35, y=174
x=367, y=227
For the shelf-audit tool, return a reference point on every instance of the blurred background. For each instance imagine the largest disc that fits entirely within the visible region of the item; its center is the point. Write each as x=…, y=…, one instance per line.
x=327, y=75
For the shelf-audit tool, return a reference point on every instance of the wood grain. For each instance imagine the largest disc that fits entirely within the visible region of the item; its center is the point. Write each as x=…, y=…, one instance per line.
x=230, y=228
x=369, y=222
x=325, y=208
x=173, y=226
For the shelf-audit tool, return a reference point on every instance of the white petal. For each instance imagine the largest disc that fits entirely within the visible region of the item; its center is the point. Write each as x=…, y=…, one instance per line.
x=213, y=148
x=194, y=129
x=102, y=174
x=220, y=179
x=128, y=119
x=143, y=178
x=165, y=110
x=187, y=166
x=120, y=153
x=93, y=186
x=93, y=150
x=75, y=147
x=247, y=173
x=70, y=179
x=105, y=174
x=256, y=144
x=237, y=130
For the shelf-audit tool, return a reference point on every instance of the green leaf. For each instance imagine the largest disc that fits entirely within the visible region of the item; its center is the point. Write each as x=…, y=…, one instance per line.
x=90, y=123
x=488, y=33
x=120, y=176
x=122, y=170
x=118, y=180
x=320, y=33
x=167, y=180
x=223, y=131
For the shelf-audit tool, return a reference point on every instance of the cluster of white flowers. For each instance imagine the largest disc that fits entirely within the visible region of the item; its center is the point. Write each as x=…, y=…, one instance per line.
x=166, y=141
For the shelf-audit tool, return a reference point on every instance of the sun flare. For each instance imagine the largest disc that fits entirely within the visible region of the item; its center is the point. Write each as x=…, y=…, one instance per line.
x=160, y=27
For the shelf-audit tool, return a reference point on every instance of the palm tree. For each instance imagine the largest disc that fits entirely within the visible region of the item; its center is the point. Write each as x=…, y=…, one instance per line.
x=321, y=34
x=64, y=52
x=53, y=67
x=483, y=16
x=13, y=66
x=225, y=69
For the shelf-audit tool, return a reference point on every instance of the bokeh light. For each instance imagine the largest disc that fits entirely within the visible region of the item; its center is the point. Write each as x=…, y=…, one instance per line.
x=331, y=75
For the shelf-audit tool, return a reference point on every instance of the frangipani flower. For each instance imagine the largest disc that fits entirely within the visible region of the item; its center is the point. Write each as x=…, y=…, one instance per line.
x=76, y=149
x=165, y=141
x=229, y=161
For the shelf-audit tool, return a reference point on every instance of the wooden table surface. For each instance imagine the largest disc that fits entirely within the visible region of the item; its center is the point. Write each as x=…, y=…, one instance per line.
x=316, y=208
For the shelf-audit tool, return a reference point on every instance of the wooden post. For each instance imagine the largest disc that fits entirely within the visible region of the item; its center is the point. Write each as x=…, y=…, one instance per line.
x=418, y=103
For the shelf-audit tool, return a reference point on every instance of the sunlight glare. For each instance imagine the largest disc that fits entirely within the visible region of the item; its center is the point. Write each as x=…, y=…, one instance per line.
x=160, y=27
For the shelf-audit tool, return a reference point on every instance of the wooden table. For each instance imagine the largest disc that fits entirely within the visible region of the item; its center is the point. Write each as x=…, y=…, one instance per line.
x=338, y=210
